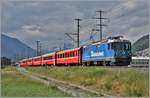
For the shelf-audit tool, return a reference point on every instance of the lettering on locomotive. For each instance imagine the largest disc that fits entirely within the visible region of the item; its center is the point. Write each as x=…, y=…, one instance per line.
x=93, y=54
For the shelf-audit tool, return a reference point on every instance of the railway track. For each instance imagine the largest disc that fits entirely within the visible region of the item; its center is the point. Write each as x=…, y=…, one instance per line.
x=71, y=89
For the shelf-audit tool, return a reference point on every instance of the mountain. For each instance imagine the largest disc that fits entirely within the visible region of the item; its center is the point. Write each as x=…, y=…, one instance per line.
x=15, y=49
x=141, y=45
x=144, y=52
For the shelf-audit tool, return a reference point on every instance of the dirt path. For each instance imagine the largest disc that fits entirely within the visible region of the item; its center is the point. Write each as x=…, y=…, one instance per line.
x=71, y=89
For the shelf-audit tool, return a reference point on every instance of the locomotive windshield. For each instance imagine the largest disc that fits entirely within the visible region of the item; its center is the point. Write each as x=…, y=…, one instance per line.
x=121, y=46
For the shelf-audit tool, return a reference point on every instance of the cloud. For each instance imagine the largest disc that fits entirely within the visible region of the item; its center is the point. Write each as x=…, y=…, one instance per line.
x=129, y=18
x=48, y=21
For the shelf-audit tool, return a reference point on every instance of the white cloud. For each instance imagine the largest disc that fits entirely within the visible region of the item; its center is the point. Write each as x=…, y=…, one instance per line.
x=130, y=4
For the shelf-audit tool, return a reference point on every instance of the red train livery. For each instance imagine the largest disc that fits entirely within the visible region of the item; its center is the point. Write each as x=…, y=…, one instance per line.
x=66, y=57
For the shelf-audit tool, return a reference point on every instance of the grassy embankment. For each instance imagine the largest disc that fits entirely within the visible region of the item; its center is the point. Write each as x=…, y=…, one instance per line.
x=16, y=85
x=119, y=82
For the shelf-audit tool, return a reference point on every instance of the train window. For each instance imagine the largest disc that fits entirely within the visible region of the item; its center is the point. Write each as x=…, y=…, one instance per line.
x=126, y=46
x=66, y=54
x=120, y=46
x=75, y=53
x=72, y=54
x=109, y=47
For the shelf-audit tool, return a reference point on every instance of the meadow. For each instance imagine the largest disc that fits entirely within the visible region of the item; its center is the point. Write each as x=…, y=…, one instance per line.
x=13, y=84
x=113, y=81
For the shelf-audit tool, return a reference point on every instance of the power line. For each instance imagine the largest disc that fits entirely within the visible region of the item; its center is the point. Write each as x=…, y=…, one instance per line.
x=77, y=34
x=69, y=35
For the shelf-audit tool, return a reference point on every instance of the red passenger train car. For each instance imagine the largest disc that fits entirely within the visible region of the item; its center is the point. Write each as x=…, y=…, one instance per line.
x=37, y=61
x=49, y=59
x=68, y=57
x=65, y=57
x=23, y=63
x=29, y=62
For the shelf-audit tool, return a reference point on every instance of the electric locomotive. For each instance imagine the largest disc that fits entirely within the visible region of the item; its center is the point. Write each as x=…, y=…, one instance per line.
x=112, y=51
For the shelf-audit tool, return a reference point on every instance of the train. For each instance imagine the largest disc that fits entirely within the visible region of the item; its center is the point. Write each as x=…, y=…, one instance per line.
x=108, y=52
x=140, y=61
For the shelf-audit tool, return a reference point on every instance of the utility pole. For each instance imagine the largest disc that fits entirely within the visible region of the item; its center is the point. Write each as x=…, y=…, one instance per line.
x=37, y=43
x=100, y=23
x=28, y=52
x=78, y=28
x=40, y=48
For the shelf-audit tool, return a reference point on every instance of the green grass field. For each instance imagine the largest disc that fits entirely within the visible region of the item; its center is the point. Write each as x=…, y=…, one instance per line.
x=119, y=82
x=16, y=85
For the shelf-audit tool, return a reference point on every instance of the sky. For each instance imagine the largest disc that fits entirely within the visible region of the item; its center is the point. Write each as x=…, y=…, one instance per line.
x=49, y=20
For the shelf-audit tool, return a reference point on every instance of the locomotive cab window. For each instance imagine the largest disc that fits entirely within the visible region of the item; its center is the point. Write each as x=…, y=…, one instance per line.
x=121, y=46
